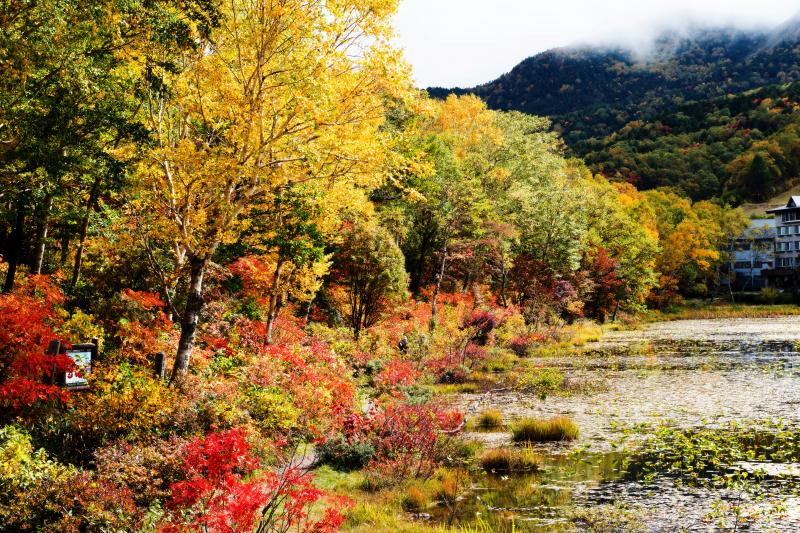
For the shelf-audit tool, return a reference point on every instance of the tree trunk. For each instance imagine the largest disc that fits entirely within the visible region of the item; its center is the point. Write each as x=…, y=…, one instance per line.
x=419, y=269
x=41, y=235
x=64, y=247
x=191, y=314
x=438, y=285
x=503, y=281
x=275, y=300
x=14, y=247
x=76, y=270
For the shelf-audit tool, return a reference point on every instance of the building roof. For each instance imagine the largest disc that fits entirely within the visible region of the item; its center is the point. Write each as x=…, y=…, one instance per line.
x=759, y=229
x=793, y=203
x=760, y=223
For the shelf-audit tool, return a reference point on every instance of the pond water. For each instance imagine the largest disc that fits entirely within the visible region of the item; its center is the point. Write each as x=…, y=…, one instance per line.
x=687, y=374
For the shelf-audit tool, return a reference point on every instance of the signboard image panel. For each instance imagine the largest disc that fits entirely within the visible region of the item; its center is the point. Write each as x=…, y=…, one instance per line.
x=83, y=361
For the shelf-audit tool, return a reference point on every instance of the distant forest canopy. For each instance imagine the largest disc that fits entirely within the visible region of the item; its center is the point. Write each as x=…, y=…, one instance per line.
x=651, y=120
x=738, y=148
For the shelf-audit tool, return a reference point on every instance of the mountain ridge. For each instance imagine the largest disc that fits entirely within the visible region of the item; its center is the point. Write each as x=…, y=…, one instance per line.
x=592, y=91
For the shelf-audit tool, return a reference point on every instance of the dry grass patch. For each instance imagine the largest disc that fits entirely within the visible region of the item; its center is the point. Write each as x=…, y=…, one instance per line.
x=509, y=460
x=415, y=500
x=537, y=430
x=491, y=419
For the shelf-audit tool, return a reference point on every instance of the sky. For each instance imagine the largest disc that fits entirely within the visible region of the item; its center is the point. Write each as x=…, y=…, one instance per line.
x=466, y=42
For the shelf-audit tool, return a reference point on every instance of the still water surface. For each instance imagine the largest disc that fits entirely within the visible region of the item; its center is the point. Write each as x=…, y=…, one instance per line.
x=694, y=373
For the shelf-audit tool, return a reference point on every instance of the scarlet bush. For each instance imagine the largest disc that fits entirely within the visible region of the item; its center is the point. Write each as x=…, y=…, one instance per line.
x=606, y=285
x=142, y=327
x=522, y=344
x=396, y=375
x=407, y=440
x=313, y=379
x=28, y=317
x=224, y=491
x=481, y=323
x=456, y=365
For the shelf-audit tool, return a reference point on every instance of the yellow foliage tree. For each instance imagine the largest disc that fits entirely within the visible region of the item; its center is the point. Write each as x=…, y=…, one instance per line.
x=692, y=239
x=281, y=93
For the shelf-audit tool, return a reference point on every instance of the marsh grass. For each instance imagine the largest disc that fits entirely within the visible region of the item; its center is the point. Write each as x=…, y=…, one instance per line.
x=542, y=381
x=510, y=460
x=491, y=419
x=584, y=333
x=710, y=311
x=537, y=430
x=415, y=500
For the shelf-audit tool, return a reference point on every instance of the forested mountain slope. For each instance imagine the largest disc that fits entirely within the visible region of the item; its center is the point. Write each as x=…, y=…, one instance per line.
x=711, y=112
x=742, y=147
x=594, y=91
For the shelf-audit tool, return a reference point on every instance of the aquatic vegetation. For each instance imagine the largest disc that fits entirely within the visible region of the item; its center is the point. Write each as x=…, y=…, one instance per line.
x=537, y=430
x=542, y=381
x=500, y=361
x=722, y=310
x=509, y=460
x=603, y=518
x=584, y=333
x=712, y=456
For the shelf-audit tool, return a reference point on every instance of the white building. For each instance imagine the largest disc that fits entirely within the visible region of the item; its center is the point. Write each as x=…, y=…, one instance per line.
x=754, y=255
x=787, y=240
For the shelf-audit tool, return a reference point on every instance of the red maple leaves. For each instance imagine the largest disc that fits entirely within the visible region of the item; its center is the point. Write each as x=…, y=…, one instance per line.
x=224, y=491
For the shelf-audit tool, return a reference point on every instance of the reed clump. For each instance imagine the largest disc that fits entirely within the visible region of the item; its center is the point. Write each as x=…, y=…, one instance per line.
x=509, y=460
x=538, y=430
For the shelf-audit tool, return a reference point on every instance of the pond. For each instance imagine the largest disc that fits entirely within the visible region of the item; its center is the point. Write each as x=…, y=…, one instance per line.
x=685, y=375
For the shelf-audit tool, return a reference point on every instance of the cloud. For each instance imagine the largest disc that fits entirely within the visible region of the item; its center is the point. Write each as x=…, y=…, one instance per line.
x=466, y=42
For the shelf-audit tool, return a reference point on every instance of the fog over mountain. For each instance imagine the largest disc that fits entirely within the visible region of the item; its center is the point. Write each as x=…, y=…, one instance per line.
x=593, y=90
x=468, y=42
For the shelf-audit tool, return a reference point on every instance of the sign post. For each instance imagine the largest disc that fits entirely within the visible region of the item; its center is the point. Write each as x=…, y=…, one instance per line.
x=83, y=355
x=160, y=366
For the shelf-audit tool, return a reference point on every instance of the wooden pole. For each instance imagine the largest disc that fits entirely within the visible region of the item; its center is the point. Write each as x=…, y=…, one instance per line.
x=59, y=378
x=95, y=351
x=160, y=365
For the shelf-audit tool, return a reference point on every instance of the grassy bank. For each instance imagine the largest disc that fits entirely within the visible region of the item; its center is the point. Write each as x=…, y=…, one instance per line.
x=704, y=310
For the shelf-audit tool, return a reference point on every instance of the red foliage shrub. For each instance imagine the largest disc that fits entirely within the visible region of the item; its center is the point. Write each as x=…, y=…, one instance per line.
x=521, y=344
x=257, y=275
x=224, y=492
x=27, y=319
x=407, y=439
x=143, y=325
x=481, y=323
x=601, y=270
x=397, y=374
x=313, y=378
x=456, y=364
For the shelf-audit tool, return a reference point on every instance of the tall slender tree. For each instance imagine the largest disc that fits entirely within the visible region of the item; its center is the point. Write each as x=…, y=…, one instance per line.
x=282, y=92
